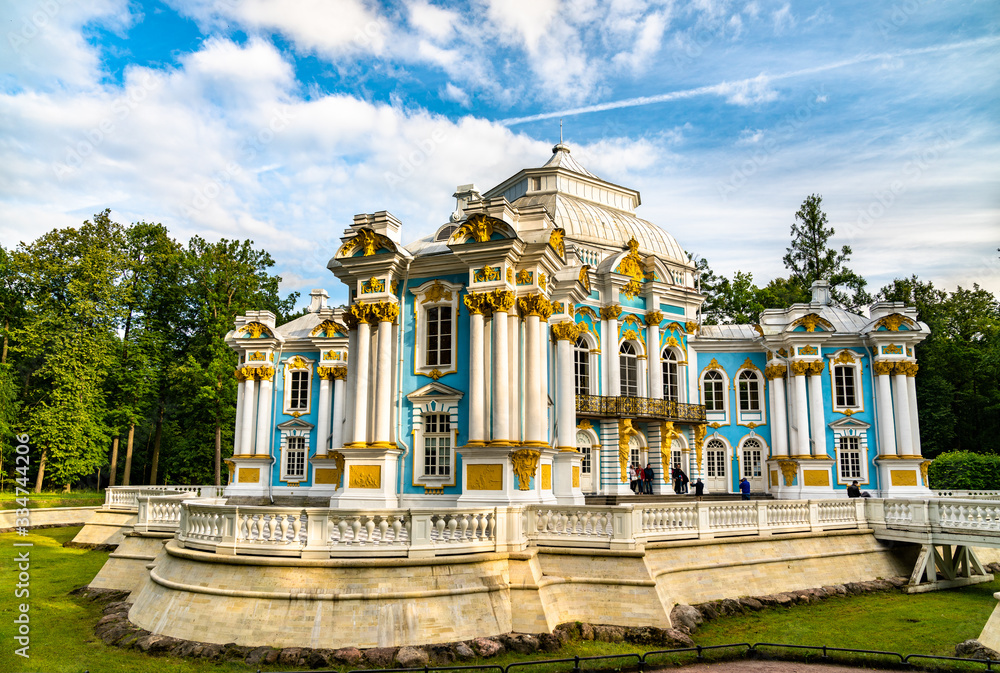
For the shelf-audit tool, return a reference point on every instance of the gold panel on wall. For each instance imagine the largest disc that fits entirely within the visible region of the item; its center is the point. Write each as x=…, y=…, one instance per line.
x=327, y=476
x=816, y=477
x=484, y=477
x=546, y=477
x=366, y=476
x=576, y=476
x=774, y=477
x=903, y=477
x=249, y=475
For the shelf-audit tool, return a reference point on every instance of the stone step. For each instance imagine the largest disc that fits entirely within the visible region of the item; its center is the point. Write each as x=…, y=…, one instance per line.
x=667, y=498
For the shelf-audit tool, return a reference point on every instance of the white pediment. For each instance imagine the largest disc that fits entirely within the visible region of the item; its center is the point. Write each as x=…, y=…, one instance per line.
x=295, y=424
x=849, y=423
x=435, y=390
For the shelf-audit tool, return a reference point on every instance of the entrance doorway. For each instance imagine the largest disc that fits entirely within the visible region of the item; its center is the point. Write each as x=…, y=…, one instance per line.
x=752, y=468
x=716, y=474
x=588, y=462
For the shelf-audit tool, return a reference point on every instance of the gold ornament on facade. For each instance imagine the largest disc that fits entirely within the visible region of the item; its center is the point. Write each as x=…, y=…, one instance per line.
x=264, y=373
x=654, y=317
x=485, y=477
x=256, y=330
x=542, y=281
x=807, y=350
x=436, y=292
x=394, y=287
x=758, y=329
x=372, y=285
x=811, y=321
x=487, y=274
x=360, y=312
x=817, y=367
x=632, y=289
x=325, y=372
x=611, y=312
x=587, y=311
x=339, y=372
x=775, y=371
x=479, y=227
x=256, y=356
x=893, y=322
x=782, y=352
x=476, y=303
x=525, y=464
x=631, y=264
x=350, y=320
x=882, y=367
x=556, y=240
x=845, y=357
x=584, y=277
x=715, y=425
x=535, y=304
x=500, y=300
x=366, y=476
x=690, y=327
x=748, y=364
x=667, y=436
x=713, y=364
x=297, y=362
x=923, y=472
x=625, y=432
x=892, y=349
x=386, y=311
x=368, y=242
x=524, y=277
x=584, y=425
x=331, y=355
x=435, y=374
x=788, y=469
x=328, y=329
x=699, y=441
x=510, y=275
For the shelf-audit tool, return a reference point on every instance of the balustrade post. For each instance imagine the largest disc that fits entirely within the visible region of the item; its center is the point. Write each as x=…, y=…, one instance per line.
x=421, y=527
x=704, y=521
x=861, y=512
x=623, y=531
x=919, y=512
x=763, y=527
x=317, y=533
x=813, y=516
x=142, y=517
x=230, y=523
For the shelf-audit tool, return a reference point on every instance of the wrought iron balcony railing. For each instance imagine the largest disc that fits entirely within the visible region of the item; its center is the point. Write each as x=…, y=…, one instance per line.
x=600, y=406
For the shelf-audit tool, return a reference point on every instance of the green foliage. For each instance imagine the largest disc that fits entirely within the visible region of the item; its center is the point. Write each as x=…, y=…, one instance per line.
x=809, y=258
x=965, y=471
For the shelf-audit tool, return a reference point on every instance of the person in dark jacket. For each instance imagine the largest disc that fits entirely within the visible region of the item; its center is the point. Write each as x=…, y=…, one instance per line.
x=699, y=489
x=648, y=476
x=684, y=481
x=744, y=489
x=854, y=491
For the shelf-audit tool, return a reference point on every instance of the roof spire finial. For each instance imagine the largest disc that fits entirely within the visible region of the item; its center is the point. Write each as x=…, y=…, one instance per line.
x=560, y=131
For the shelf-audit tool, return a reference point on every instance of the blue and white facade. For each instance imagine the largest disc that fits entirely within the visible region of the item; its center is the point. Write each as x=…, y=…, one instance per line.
x=542, y=341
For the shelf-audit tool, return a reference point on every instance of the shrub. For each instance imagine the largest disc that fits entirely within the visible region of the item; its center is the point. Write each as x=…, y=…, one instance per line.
x=965, y=471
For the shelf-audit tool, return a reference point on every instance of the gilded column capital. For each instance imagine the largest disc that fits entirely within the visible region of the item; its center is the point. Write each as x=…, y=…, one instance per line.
x=338, y=372
x=500, y=300
x=384, y=311
x=906, y=368
x=359, y=313
x=817, y=367
x=654, y=318
x=477, y=303
x=801, y=368
x=566, y=331
x=329, y=373
x=611, y=312
x=775, y=371
x=264, y=373
x=243, y=373
x=690, y=327
x=882, y=368
x=535, y=304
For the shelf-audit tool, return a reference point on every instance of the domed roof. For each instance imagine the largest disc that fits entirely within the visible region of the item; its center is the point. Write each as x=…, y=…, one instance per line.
x=589, y=209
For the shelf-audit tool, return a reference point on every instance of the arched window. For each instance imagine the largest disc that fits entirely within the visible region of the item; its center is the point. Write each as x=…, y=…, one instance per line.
x=749, y=390
x=752, y=459
x=581, y=366
x=671, y=387
x=634, y=451
x=629, y=365
x=713, y=391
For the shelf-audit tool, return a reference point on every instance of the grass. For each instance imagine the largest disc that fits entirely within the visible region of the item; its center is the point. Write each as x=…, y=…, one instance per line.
x=63, y=640
x=54, y=499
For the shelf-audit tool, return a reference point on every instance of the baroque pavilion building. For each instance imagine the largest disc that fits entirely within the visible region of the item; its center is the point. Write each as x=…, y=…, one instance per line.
x=543, y=340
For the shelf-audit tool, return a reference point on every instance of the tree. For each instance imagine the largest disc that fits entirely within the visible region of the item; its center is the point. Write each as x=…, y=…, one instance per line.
x=810, y=259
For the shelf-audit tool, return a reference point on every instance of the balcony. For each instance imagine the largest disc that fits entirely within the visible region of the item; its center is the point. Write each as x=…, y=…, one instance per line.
x=599, y=406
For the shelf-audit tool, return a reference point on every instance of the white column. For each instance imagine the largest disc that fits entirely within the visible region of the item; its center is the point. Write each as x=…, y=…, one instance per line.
x=246, y=434
x=264, y=428
x=514, y=366
x=350, y=404
x=642, y=376
x=653, y=362
x=565, y=390
x=501, y=380
x=337, y=430
x=543, y=380
x=383, y=384
x=817, y=417
x=802, y=447
x=611, y=348
x=911, y=391
x=238, y=432
x=477, y=396
x=323, y=416
x=532, y=382
x=359, y=423
x=883, y=399
x=779, y=422
x=901, y=411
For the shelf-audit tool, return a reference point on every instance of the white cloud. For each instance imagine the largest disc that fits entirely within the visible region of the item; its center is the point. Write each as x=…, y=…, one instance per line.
x=748, y=91
x=783, y=19
x=456, y=95
x=432, y=21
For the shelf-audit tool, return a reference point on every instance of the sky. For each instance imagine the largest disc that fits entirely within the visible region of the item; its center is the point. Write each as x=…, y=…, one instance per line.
x=279, y=121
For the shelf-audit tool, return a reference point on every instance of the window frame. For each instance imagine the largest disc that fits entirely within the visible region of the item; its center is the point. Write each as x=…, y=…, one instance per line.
x=583, y=354
x=434, y=398
x=852, y=428
x=718, y=381
x=622, y=367
x=430, y=295
x=297, y=363
x=294, y=428
x=437, y=434
x=670, y=357
x=852, y=359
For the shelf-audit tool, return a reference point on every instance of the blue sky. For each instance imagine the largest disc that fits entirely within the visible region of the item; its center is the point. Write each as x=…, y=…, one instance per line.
x=280, y=121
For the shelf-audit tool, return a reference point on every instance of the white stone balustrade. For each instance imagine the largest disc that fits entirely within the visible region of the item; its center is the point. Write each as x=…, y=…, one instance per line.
x=121, y=498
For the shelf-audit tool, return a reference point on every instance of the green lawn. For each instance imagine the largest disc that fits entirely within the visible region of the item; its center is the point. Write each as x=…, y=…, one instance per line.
x=53, y=499
x=62, y=637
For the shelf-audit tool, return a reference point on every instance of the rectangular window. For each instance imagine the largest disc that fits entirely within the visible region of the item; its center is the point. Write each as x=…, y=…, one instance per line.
x=299, y=397
x=536, y=184
x=437, y=445
x=581, y=363
x=713, y=394
x=629, y=377
x=749, y=393
x=850, y=458
x=295, y=458
x=844, y=381
x=671, y=388
x=439, y=336
x=585, y=459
